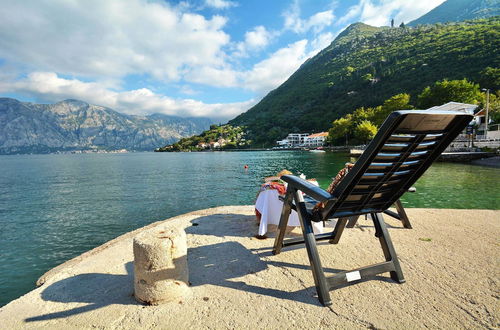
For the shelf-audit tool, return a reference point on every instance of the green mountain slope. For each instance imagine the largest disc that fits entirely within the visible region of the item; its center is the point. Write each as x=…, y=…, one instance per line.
x=364, y=66
x=459, y=10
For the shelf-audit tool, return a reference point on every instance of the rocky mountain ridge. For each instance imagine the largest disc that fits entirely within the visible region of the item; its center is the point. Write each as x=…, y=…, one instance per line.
x=76, y=125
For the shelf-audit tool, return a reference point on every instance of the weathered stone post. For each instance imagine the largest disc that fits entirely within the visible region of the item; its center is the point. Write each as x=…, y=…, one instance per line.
x=160, y=265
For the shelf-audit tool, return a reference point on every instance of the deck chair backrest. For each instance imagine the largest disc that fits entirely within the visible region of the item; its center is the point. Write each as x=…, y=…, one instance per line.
x=405, y=146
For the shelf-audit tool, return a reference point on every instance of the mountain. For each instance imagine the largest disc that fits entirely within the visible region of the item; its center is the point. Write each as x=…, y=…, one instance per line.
x=76, y=125
x=366, y=65
x=459, y=10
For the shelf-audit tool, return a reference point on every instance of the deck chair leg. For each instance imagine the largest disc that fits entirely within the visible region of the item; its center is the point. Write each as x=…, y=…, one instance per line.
x=339, y=229
x=402, y=214
x=285, y=215
x=386, y=243
x=352, y=221
x=312, y=251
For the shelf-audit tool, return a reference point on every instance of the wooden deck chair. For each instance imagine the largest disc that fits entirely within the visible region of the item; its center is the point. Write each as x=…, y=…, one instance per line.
x=400, y=214
x=403, y=149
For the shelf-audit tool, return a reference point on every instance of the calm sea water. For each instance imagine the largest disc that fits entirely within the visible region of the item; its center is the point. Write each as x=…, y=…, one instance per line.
x=54, y=207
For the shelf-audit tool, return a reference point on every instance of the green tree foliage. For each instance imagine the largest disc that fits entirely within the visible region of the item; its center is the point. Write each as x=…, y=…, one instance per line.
x=493, y=106
x=362, y=114
x=346, y=128
x=490, y=78
x=445, y=91
x=340, y=129
x=365, y=131
x=396, y=102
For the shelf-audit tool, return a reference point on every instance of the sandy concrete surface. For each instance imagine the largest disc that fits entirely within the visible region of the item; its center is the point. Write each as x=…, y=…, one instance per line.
x=450, y=261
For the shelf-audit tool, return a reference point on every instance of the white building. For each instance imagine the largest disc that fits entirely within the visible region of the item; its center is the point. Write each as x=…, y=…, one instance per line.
x=315, y=140
x=296, y=139
x=293, y=140
x=283, y=143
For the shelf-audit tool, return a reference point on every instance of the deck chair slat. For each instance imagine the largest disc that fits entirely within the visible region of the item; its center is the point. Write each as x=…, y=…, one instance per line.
x=400, y=138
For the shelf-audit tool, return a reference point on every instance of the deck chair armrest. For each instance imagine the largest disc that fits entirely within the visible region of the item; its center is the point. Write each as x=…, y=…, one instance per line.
x=306, y=187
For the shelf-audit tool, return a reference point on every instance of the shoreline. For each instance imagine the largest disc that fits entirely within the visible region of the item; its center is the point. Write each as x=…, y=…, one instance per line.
x=447, y=259
x=490, y=162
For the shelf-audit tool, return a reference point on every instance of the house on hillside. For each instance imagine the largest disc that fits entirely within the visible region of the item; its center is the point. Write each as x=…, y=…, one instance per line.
x=202, y=145
x=214, y=144
x=222, y=142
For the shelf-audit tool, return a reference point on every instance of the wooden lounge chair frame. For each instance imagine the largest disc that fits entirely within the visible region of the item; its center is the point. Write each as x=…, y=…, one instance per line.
x=400, y=214
x=405, y=146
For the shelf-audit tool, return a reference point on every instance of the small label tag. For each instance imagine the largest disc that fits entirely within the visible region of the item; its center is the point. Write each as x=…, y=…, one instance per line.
x=353, y=276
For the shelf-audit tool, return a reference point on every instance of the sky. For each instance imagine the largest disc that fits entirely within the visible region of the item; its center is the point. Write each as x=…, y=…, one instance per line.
x=195, y=58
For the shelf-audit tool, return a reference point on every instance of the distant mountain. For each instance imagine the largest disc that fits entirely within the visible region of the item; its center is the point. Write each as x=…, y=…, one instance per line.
x=76, y=125
x=459, y=10
x=366, y=65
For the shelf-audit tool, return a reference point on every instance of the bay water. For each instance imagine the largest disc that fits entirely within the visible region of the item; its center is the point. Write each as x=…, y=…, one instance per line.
x=55, y=207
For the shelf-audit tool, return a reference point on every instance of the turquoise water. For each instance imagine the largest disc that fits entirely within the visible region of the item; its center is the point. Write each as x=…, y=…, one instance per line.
x=54, y=207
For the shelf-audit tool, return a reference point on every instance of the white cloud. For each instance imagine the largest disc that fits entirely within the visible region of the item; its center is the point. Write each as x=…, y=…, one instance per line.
x=411, y=11
x=381, y=12
x=267, y=74
x=187, y=90
x=320, y=42
x=111, y=38
x=256, y=39
x=316, y=22
x=220, y=4
x=217, y=77
x=48, y=87
x=273, y=71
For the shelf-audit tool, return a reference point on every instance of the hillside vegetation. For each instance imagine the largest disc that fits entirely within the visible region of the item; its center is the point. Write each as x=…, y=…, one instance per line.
x=365, y=65
x=218, y=137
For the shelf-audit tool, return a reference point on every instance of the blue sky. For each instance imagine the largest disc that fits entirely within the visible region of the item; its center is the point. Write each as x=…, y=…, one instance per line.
x=212, y=58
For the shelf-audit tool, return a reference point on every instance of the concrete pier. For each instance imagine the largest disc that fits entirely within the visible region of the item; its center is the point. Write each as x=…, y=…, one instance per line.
x=449, y=259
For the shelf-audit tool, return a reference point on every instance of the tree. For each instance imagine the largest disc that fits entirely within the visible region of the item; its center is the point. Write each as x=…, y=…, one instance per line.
x=396, y=102
x=367, y=77
x=494, y=106
x=490, y=78
x=365, y=131
x=362, y=114
x=341, y=128
x=446, y=91
x=348, y=70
